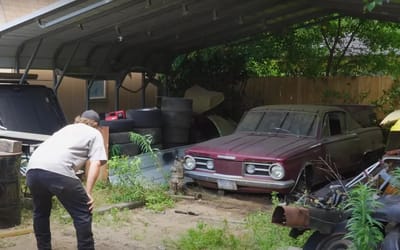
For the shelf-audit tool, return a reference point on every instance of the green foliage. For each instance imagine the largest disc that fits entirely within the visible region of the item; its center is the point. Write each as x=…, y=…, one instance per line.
x=207, y=237
x=143, y=141
x=331, y=46
x=258, y=234
x=130, y=184
x=115, y=150
x=264, y=235
x=390, y=100
x=369, y=5
x=363, y=230
x=157, y=199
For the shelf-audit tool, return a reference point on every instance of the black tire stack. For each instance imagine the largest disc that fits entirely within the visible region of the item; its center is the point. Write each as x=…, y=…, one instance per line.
x=177, y=120
x=119, y=137
x=147, y=121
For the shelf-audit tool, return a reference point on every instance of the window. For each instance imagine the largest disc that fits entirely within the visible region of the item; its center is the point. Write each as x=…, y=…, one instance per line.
x=98, y=90
x=334, y=124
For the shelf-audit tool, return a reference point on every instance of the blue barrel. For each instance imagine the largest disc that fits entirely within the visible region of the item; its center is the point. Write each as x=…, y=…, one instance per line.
x=10, y=201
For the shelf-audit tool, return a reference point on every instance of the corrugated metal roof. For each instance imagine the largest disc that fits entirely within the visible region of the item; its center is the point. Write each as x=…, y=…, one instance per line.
x=109, y=37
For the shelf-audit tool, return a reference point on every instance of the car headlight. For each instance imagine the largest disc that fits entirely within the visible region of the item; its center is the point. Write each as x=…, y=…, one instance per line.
x=210, y=165
x=276, y=171
x=250, y=169
x=189, y=163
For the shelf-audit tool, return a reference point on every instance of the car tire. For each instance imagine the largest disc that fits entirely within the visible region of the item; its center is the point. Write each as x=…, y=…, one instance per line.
x=391, y=240
x=334, y=241
x=145, y=118
x=156, y=134
x=176, y=104
x=128, y=149
x=122, y=125
x=119, y=137
x=177, y=119
x=302, y=186
x=173, y=135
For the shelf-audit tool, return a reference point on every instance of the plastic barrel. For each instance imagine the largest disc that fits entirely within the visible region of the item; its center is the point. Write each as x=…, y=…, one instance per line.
x=177, y=118
x=10, y=202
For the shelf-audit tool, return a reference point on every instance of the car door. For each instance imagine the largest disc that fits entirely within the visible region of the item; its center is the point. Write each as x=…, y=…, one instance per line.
x=341, y=146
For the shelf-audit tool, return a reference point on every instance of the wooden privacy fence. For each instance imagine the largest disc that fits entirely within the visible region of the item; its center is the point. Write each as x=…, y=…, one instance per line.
x=333, y=90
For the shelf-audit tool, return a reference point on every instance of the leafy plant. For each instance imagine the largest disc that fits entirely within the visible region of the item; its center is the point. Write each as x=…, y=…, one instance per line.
x=143, y=141
x=130, y=184
x=207, y=237
x=390, y=100
x=363, y=230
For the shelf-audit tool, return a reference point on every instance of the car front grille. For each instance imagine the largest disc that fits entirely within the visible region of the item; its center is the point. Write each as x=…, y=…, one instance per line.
x=201, y=162
x=231, y=167
x=261, y=169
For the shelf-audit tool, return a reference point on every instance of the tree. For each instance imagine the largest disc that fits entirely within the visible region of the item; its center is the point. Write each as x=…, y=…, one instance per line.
x=341, y=46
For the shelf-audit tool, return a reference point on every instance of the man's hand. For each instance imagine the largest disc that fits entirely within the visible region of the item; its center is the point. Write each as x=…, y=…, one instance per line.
x=90, y=202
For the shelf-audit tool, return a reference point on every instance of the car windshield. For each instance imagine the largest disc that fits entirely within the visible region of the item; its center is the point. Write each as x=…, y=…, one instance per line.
x=290, y=122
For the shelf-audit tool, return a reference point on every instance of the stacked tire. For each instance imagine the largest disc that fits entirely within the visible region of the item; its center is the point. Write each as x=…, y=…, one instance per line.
x=177, y=119
x=147, y=121
x=119, y=137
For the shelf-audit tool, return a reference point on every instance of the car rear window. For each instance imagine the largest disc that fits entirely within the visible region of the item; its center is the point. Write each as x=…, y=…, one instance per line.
x=289, y=122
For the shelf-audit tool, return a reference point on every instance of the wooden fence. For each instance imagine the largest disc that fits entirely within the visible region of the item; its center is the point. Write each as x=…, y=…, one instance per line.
x=362, y=90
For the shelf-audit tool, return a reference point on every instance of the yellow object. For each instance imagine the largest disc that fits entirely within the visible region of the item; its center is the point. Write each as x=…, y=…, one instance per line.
x=391, y=118
x=395, y=127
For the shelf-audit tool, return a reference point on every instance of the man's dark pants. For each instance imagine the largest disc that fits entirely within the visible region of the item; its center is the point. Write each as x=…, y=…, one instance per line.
x=43, y=186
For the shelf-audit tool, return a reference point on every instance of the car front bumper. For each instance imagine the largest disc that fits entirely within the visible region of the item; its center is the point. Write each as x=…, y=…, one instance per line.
x=230, y=182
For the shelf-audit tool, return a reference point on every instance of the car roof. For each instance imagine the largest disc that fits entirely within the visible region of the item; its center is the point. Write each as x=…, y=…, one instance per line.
x=298, y=107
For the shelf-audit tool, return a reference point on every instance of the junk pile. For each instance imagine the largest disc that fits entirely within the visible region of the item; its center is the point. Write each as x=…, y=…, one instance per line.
x=323, y=210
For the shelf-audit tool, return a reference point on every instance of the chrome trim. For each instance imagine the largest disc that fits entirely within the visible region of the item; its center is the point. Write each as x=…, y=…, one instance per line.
x=226, y=157
x=240, y=181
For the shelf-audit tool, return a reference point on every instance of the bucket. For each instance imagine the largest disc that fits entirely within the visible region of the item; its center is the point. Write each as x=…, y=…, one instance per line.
x=10, y=202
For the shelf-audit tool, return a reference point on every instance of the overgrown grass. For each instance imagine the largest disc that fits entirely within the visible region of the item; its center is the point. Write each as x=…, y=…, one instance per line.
x=257, y=233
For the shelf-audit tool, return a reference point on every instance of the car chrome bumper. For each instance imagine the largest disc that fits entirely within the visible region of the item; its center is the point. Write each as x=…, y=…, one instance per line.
x=240, y=181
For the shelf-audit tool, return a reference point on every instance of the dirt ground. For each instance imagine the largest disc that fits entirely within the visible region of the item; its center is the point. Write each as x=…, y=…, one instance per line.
x=141, y=228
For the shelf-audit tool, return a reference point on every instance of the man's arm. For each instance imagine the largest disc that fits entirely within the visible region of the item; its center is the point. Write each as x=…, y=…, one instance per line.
x=92, y=175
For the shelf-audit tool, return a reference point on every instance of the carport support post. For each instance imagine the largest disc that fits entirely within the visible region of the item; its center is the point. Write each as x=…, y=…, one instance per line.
x=57, y=80
x=143, y=89
x=29, y=65
x=118, y=83
x=89, y=85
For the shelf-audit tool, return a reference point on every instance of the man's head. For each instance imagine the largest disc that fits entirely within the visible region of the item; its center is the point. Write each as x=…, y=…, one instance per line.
x=89, y=117
x=91, y=114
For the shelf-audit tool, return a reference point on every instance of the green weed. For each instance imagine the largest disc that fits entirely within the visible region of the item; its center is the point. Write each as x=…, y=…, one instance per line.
x=207, y=237
x=364, y=230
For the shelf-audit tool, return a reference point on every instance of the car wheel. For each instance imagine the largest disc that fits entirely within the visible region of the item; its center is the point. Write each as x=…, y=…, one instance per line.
x=392, y=240
x=334, y=241
x=301, y=188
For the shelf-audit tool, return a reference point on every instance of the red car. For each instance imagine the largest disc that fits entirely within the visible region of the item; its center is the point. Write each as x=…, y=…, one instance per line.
x=284, y=148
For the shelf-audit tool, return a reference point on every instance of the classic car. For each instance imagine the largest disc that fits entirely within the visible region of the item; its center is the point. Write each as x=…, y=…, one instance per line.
x=285, y=148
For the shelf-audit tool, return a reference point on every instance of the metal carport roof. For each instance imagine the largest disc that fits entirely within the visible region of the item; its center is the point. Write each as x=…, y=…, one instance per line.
x=107, y=38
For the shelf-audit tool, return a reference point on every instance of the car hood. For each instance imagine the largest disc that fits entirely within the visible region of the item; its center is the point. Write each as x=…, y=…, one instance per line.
x=30, y=108
x=271, y=146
